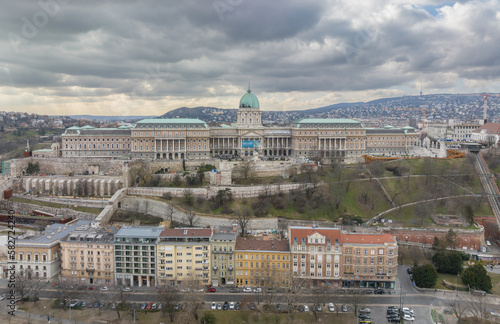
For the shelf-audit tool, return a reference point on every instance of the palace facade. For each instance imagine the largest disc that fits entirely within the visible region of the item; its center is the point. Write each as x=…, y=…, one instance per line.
x=185, y=138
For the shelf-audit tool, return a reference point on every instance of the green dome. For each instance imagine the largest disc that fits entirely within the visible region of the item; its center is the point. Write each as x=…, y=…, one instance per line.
x=249, y=100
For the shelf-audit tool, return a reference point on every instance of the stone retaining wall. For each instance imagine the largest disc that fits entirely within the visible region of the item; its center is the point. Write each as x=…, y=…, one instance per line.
x=28, y=208
x=72, y=186
x=238, y=192
x=157, y=208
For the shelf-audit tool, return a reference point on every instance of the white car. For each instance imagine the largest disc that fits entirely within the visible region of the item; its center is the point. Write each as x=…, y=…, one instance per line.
x=365, y=310
x=105, y=288
x=126, y=289
x=247, y=289
x=408, y=310
x=331, y=308
x=488, y=243
x=306, y=308
x=408, y=317
x=214, y=306
x=231, y=305
x=257, y=290
x=3, y=297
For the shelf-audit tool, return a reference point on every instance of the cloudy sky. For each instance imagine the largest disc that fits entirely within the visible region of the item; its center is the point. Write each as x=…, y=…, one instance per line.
x=149, y=57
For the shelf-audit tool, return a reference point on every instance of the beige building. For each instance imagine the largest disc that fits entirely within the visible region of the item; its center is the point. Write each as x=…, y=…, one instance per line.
x=369, y=260
x=186, y=138
x=184, y=256
x=39, y=255
x=331, y=257
x=87, y=255
x=389, y=140
x=222, y=245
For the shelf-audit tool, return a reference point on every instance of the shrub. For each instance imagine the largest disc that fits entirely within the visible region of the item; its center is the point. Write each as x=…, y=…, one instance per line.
x=425, y=276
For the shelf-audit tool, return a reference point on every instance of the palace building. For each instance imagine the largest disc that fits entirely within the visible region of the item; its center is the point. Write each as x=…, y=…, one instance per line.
x=186, y=138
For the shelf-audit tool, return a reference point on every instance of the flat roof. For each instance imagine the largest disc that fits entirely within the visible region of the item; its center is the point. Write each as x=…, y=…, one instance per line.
x=171, y=121
x=146, y=231
x=54, y=233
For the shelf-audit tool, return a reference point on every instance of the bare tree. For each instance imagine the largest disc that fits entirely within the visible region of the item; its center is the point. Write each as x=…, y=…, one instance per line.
x=23, y=283
x=421, y=212
x=169, y=297
x=459, y=307
x=119, y=297
x=356, y=298
x=191, y=218
x=243, y=217
x=139, y=174
x=169, y=213
x=193, y=298
x=478, y=306
x=246, y=168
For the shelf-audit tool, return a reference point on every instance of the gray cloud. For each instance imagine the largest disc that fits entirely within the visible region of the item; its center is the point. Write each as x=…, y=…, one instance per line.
x=197, y=49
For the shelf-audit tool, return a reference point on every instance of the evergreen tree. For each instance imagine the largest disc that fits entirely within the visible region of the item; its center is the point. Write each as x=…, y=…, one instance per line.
x=477, y=277
x=425, y=276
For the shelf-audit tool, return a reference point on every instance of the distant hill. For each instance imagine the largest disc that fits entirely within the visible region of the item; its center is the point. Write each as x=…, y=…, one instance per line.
x=109, y=118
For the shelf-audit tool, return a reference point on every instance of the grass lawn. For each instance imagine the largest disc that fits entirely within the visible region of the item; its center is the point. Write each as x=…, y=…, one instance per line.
x=91, y=210
x=495, y=280
x=256, y=317
x=449, y=278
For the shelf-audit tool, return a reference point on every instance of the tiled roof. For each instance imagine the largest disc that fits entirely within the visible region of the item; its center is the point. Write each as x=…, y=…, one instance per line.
x=359, y=238
x=304, y=231
x=488, y=128
x=186, y=232
x=253, y=244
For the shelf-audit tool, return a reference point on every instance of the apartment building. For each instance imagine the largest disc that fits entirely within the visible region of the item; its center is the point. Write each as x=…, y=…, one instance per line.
x=369, y=260
x=134, y=250
x=87, y=255
x=184, y=256
x=261, y=262
x=331, y=257
x=39, y=255
x=222, y=245
x=316, y=254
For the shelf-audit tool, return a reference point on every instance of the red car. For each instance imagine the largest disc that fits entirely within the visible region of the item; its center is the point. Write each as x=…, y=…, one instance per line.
x=149, y=305
x=212, y=289
x=91, y=288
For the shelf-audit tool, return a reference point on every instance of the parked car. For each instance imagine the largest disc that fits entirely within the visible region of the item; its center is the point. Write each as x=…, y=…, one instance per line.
x=159, y=306
x=91, y=288
x=237, y=306
x=306, y=308
x=214, y=306
x=344, y=308
x=408, y=310
x=126, y=289
x=219, y=306
x=395, y=319
x=153, y=306
x=247, y=289
x=300, y=308
x=364, y=317
x=257, y=290
x=365, y=310
x=408, y=317
x=143, y=305
x=150, y=304
x=231, y=305
x=225, y=306
x=331, y=307
x=212, y=289
x=319, y=308
x=278, y=307
x=3, y=297
x=379, y=292
x=234, y=290
x=177, y=306
x=105, y=288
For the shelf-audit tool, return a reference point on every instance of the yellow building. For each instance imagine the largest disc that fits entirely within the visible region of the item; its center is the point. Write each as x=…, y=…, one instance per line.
x=87, y=255
x=262, y=263
x=184, y=256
